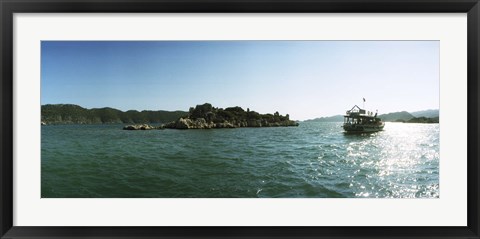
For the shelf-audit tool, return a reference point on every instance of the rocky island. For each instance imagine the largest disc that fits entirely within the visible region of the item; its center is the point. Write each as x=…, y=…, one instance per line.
x=208, y=117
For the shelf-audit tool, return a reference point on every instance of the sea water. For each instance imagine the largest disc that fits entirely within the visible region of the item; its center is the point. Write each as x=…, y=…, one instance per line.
x=313, y=160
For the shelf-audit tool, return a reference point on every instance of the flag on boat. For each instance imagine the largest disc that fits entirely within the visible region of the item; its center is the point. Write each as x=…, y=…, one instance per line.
x=363, y=99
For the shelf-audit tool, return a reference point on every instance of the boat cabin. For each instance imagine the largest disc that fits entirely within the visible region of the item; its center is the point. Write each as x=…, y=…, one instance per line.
x=360, y=116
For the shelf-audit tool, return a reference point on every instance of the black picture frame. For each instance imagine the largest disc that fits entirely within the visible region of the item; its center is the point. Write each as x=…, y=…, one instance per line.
x=9, y=7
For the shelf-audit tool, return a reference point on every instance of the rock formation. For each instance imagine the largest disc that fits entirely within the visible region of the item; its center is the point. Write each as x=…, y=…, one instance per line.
x=207, y=117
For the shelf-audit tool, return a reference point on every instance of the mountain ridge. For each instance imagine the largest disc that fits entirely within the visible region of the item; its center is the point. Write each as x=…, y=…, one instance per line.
x=402, y=116
x=200, y=116
x=75, y=114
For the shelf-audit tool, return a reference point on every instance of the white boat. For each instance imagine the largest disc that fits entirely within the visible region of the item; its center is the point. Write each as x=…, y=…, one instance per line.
x=358, y=120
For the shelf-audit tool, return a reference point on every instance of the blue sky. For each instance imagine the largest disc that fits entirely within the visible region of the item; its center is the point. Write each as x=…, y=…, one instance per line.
x=306, y=79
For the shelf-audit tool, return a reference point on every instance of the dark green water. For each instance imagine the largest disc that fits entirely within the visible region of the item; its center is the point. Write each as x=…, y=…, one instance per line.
x=314, y=160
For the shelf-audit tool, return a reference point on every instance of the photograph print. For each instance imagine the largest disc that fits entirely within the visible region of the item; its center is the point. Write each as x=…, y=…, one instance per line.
x=240, y=119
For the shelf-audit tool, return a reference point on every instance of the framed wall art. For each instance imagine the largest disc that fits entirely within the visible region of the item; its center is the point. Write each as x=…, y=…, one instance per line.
x=246, y=119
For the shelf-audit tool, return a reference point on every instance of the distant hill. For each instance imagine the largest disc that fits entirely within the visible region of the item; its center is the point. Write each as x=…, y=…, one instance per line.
x=74, y=114
x=426, y=113
x=335, y=118
x=422, y=120
x=396, y=116
x=430, y=116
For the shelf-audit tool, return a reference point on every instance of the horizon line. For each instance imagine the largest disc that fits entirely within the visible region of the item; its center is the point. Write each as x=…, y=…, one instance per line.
x=319, y=117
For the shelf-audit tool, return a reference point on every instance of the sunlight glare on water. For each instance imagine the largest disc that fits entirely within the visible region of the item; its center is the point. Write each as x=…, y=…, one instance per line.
x=401, y=161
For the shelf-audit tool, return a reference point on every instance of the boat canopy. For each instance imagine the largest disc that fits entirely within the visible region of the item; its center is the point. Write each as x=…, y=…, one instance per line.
x=359, y=112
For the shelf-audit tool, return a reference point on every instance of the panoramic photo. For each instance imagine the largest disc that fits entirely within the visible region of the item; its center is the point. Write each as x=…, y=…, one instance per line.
x=240, y=119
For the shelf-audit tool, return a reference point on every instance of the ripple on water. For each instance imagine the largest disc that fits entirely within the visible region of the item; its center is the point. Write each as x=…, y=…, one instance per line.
x=313, y=160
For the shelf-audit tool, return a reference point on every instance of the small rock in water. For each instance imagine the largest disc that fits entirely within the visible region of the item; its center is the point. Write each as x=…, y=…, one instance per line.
x=138, y=127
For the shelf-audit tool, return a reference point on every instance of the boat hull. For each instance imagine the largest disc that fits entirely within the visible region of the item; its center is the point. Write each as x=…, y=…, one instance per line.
x=357, y=128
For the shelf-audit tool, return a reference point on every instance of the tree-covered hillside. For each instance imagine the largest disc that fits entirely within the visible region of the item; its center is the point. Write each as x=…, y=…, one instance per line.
x=74, y=114
x=424, y=120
